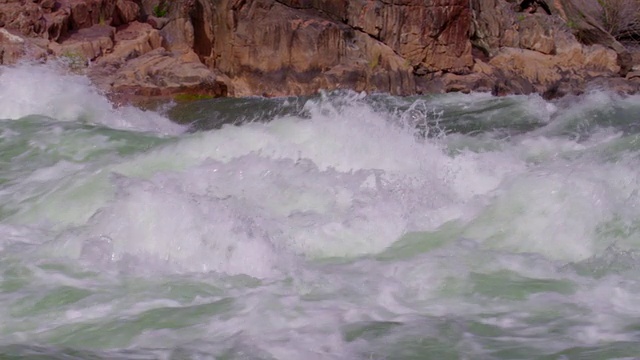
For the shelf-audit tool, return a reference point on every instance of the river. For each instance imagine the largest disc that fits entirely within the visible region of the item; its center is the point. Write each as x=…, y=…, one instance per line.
x=337, y=226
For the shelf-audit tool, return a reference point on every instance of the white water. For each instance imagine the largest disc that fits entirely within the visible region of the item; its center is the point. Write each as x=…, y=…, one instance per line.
x=338, y=232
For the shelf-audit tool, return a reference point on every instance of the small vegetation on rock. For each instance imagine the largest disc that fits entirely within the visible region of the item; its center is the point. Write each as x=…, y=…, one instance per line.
x=621, y=18
x=161, y=9
x=191, y=97
x=375, y=60
x=74, y=60
x=572, y=24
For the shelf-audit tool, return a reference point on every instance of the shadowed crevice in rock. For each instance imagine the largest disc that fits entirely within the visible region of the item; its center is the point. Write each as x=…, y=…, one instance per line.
x=202, y=42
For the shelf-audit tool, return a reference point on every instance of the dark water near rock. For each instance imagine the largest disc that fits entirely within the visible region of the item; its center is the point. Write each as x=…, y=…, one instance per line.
x=340, y=226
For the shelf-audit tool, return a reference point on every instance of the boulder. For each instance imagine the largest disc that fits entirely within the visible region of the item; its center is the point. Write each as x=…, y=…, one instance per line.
x=589, y=30
x=552, y=55
x=132, y=40
x=86, y=44
x=163, y=73
x=537, y=33
x=52, y=19
x=572, y=63
x=157, y=22
x=48, y=5
x=25, y=18
x=14, y=47
x=493, y=25
x=126, y=11
x=178, y=33
x=57, y=24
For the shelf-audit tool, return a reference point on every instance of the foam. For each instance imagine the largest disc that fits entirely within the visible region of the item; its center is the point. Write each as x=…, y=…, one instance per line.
x=50, y=91
x=317, y=187
x=307, y=205
x=348, y=181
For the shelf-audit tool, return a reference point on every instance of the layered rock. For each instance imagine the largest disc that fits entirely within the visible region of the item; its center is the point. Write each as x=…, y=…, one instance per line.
x=296, y=47
x=306, y=45
x=552, y=55
x=104, y=39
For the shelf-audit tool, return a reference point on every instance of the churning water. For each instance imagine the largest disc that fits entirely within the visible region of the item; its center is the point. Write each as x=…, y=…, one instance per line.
x=340, y=226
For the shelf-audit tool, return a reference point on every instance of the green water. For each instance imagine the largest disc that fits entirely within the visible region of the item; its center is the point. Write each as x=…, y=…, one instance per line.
x=340, y=226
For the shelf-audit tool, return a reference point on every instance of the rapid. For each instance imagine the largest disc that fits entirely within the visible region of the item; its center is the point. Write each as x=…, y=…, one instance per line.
x=337, y=226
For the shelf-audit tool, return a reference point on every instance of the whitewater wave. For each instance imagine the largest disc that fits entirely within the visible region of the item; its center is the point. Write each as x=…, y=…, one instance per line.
x=50, y=91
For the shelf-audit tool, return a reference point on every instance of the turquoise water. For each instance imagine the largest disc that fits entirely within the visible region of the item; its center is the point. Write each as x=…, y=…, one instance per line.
x=340, y=226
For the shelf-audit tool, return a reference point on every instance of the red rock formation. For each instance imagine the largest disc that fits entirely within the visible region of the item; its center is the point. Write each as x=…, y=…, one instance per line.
x=305, y=45
x=295, y=47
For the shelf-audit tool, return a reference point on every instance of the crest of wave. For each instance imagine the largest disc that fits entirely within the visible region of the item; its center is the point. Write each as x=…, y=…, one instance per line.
x=344, y=181
x=50, y=90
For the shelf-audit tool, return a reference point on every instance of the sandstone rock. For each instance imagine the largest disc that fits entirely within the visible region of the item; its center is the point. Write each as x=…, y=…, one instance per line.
x=164, y=73
x=480, y=67
x=57, y=24
x=7, y=37
x=133, y=40
x=268, y=48
x=449, y=82
x=466, y=83
x=633, y=75
x=178, y=34
x=12, y=47
x=126, y=11
x=575, y=64
x=535, y=52
x=493, y=25
x=589, y=31
x=48, y=5
x=81, y=15
x=87, y=44
x=617, y=84
x=537, y=34
x=535, y=67
x=296, y=47
x=25, y=18
x=430, y=34
x=86, y=13
x=53, y=19
x=600, y=61
x=156, y=22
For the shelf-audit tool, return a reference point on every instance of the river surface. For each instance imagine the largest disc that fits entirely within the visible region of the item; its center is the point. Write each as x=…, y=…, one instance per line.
x=339, y=226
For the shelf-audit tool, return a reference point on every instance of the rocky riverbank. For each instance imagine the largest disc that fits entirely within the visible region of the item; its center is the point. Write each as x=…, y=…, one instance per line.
x=193, y=48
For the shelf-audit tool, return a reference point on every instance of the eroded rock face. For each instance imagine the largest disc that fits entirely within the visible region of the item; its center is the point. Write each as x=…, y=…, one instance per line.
x=579, y=13
x=538, y=53
x=265, y=46
x=125, y=12
x=88, y=43
x=12, y=47
x=296, y=47
x=131, y=41
x=164, y=73
x=103, y=39
x=272, y=44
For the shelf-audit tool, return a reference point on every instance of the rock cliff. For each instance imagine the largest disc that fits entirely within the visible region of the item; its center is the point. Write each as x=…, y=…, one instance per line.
x=295, y=47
